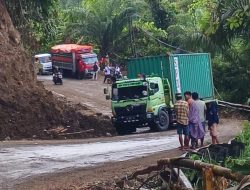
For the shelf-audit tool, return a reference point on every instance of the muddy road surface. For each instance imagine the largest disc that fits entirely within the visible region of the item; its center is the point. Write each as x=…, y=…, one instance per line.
x=23, y=161
x=86, y=92
x=18, y=163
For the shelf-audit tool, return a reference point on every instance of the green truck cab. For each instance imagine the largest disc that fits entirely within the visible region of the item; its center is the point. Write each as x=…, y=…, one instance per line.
x=149, y=101
x=140, y=102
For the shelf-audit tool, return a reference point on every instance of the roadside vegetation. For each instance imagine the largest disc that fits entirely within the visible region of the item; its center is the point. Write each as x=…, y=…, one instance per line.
x=242, y=164
x=235, y=157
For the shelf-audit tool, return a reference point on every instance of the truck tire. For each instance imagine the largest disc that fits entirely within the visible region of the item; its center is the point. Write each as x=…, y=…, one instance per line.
x=163, y=121
x=79, y=76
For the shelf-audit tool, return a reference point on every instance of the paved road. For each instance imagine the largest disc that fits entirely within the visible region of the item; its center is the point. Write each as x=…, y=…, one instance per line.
x=18, y=163
x=86, y=92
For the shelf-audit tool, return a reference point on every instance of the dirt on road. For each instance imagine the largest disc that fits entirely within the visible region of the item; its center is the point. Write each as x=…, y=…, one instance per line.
x=27, y=109
x=106, y=171
x=86, y=92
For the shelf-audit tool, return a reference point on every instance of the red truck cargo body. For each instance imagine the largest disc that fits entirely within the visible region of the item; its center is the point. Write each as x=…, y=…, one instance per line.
x=78, y=59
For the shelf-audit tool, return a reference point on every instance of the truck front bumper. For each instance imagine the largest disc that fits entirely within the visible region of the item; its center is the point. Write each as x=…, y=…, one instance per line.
x=134, y=119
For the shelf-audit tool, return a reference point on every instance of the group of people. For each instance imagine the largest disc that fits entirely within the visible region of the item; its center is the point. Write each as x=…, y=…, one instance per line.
x=192, y=114
x=111, y=74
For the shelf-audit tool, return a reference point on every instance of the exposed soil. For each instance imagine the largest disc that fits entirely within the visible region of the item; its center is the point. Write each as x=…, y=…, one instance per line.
x=232, y=113
x=26, y=108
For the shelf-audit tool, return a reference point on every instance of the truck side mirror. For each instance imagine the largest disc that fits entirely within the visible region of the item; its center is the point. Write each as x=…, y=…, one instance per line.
x=107, y=97
x=105, y=91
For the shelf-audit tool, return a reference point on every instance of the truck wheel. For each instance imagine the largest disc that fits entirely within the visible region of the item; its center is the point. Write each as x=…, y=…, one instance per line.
x=163, y=121
x=79, y=76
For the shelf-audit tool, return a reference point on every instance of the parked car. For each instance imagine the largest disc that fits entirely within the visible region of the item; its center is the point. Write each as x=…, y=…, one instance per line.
x=45, y=61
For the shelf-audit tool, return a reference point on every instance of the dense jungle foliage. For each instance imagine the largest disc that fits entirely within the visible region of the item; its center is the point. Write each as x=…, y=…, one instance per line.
x=130, y=28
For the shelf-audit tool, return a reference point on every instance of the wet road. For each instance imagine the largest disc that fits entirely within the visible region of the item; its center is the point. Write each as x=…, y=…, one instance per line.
x=18, y=163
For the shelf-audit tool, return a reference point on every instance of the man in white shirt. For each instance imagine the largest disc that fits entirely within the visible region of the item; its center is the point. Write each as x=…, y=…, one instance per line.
x=202, y=108
x=107, y=73
x=202, y=111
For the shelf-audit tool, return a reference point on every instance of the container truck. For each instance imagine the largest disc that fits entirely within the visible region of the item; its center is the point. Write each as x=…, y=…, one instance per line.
x=149, y=100
x=76, y=59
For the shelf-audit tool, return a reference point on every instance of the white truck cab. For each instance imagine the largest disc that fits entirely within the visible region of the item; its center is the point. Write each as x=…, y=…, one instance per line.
x=45, y=60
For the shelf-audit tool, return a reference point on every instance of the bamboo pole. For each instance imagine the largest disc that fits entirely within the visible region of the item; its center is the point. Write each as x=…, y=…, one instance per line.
x=198, y=165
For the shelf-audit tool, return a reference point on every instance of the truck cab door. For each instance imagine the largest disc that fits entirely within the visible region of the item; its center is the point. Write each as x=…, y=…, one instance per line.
x=156, y=94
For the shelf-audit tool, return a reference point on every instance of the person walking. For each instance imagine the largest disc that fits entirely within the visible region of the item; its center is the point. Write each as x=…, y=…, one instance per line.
x=181, y=110
x=196, y=130
x=96, y=69
x=38, y=66
x=107, y=73
x=202, y=112
x=213, y=121
x=118, y=74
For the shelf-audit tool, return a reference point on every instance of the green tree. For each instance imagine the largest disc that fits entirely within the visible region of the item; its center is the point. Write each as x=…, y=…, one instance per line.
x=224, y=29
x=102, y=22
x=35, y=20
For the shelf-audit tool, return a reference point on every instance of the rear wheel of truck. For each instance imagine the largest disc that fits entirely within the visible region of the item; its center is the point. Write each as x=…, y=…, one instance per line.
x=79, y=76
x=163, y=121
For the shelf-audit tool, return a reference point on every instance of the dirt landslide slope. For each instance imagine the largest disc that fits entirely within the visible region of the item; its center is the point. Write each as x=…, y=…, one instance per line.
x=26, y=108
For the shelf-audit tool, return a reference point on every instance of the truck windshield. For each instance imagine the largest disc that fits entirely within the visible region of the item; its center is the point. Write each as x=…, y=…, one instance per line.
x=45, y=59
x=90, y=60
x=133, y=92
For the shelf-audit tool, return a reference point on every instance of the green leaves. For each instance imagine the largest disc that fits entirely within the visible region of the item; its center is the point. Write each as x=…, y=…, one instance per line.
x=104, y=21
x=235, y=21
x=242, y=164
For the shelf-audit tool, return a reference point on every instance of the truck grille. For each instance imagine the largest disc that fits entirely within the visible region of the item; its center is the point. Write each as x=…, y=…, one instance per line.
x=130, y=110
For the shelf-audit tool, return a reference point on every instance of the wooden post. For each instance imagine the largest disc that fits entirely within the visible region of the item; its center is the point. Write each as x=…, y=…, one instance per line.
x=208, y=179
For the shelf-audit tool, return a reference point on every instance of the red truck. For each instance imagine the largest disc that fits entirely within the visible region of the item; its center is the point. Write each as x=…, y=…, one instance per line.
x=75, y=59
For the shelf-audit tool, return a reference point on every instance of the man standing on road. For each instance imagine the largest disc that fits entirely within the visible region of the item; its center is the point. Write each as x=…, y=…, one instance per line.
x=195, y=127
x=95, y=69
x=38, y=66
x=213, y=121
x=202, y=112
x=107, y=73
x=181, y=110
